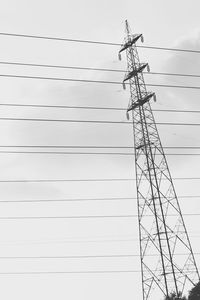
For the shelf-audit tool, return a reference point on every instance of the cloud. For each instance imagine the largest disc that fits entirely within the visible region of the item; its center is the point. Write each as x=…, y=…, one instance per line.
x=182, y=99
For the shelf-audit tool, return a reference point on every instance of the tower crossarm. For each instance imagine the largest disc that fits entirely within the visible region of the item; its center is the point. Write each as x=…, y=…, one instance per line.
x=140, y=102
x=135, y=71
x=130, y=41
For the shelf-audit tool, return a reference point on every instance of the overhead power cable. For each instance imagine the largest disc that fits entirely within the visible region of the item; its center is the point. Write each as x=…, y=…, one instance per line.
x=93, y=241
x=111, y=240
x=69, y=272
x=83, y=256
x=66, y=217
x=69, y=200
x=83, y=180
x=93, y=42
x=90, y=147
x=95, y=81
x=92, y=69
x=90, y=153
x=84, y=217
x=71, y=256
x=93, y=121
x=91, y=107
x=85, y=199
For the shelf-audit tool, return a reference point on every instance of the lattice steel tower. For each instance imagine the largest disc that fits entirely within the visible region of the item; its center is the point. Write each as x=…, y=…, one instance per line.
x=167, y=261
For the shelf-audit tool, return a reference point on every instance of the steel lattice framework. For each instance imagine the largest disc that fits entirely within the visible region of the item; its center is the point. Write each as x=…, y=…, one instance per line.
x=162, y=232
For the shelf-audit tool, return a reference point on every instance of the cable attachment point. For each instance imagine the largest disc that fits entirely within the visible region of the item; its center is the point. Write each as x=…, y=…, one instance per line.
x=140, y=102
x=138, y=69
x=127, y=115
x=132, y=39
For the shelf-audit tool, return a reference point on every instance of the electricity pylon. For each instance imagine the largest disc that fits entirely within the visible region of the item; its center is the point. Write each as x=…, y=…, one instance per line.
x=167, y=260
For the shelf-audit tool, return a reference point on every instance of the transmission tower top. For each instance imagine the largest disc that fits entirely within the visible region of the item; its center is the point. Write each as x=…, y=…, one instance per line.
x=130, y=39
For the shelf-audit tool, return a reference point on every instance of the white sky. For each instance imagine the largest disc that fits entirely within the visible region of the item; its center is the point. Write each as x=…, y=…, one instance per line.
x=169, y=23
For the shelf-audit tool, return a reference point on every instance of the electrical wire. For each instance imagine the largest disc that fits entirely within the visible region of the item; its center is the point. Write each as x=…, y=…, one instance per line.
x=84, y=256
x=67, y=217
x=74, y=272
x=81, y=241
x=70, y=256
x=88, y=241
x=84, y=180
x=84, y=199
x=90, y=147
x=69, y=200
x=95, y=81
x=92, y=107
x=64, y=120
x=92, y=69
x=93, y=121
x=68, y=146
x=85, y=217
x=91, y=153
x=69, y=272
x=93, y=42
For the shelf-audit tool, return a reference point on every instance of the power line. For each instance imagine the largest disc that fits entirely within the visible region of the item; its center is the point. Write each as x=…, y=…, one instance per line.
x=65, y=180
x=91, y=107
x=69, y=272
x=57, y=38
x=66, y=217
x=61, y=106
x=172, y=74
x=90, y=153
x=90, y=147
x=67, y=146
x=87, y=241
x=63, y=120
x=92, y=121
x=76, y=153
x=70, y=256
x=84, y=180
x=92, y=69
x=93, y=42
x=70, y=200
x=96, y=241
x=84, y=256
x=84, y=217
x=61, y=66
x=84, y=199
x=95, y=81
